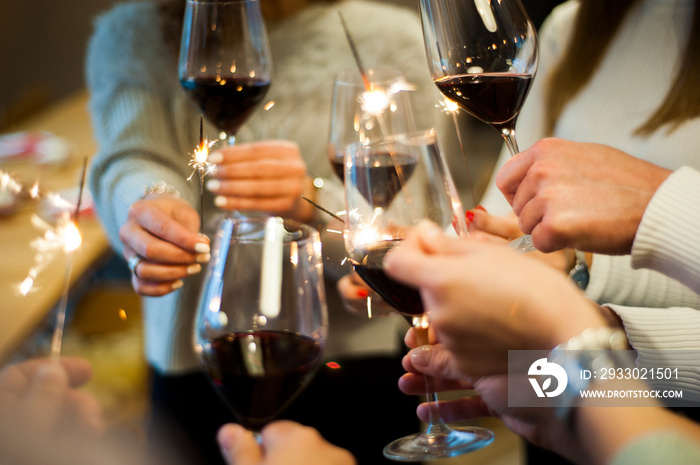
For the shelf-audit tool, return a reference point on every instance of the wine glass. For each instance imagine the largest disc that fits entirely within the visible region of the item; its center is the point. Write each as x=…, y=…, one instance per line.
x=483, y=55
x=359, y=114
x=261, y=323
x=391, y=185
x=225, y=65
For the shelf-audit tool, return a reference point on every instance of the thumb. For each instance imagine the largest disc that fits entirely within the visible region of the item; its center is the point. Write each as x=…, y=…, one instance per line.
x=45, y=396
x=238, y=446
x=434, y=360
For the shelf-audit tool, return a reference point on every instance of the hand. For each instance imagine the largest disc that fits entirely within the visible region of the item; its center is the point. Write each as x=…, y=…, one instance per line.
x=585, y=196
x=283, y=443
x=484, y=299
x=267, y=176
x=43, y=413
x=163, y=230
x=537, y=425
x=355, y=292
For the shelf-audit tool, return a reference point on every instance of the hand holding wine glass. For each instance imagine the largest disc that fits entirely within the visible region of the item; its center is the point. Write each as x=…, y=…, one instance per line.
x=225, y=63
x=483, y=55
x=390, y=186
x=261, y=321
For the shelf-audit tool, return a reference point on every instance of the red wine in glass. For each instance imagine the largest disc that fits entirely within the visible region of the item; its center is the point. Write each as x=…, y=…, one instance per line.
x=380, y=179
x=224, y=64
x=494, y=98
x=226, y=102
x=259, y=373
x=405, y=299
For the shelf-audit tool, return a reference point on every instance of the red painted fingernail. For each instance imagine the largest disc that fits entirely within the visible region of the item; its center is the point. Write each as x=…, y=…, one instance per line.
x=363, y=293
x=479, y=207
x=469, y=215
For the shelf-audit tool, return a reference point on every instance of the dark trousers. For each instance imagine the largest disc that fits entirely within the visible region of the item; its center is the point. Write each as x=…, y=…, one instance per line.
x=357, y=406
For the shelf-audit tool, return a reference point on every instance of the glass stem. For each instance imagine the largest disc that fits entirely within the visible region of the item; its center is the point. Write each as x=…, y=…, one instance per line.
x=508, y=134
x=435, y=424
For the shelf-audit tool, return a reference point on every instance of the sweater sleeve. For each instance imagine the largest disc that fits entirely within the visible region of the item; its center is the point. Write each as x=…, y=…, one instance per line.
x=665, y=253
x=665, y=337
x=668, y=238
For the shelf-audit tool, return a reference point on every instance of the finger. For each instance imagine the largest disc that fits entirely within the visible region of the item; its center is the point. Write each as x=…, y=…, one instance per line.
x=258, y=170
x=277, y=205
x=414, y=384
x=433, y=360
x=253, y=151
x=44, y=398
x=158, y=249
x=261, y=188
x=513, y=172
x=155, y=289
x=179, y=230
x=501, y=226
x=78, y=369
x=84, y=413
x=464, y=408
x=238, y=446
x=157, y=272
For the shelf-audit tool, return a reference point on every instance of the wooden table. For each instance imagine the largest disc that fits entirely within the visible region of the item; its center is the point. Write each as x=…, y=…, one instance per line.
x=20, y=315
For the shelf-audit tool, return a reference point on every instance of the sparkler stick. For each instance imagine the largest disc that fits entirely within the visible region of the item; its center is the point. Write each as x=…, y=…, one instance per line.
x=322, y=209
x=63, y=304
x=365, y=79
x=200, y=163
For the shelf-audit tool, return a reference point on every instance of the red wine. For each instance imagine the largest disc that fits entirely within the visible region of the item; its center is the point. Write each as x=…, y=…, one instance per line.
x=259, y=373
x=494, y=98
x=338, y=165
x=226, y=103
x=382, y=178
x=405, y=299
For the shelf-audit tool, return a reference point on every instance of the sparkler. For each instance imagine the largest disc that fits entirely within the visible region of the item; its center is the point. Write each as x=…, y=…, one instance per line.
x=365, y=79
x=72, y=243
x=200, y=163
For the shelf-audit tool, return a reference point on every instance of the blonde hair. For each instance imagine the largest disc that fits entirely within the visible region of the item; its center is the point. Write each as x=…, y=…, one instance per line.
x=596, y=24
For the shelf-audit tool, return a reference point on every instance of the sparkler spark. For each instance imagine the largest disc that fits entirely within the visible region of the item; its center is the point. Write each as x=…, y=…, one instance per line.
x=450, y=107
x=201, y=164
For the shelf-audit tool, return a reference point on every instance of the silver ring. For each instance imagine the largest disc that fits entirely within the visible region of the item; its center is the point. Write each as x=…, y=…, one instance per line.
x=134, y=263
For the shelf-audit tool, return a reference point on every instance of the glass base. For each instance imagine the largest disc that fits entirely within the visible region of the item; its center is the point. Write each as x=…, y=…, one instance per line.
x=522, y=244
x=422, y=446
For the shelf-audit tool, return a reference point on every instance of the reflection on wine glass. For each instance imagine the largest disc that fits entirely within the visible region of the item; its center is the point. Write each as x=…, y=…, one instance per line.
x=359, y=114
x=225, y=64
x=261, y=321
x=391, y=185
x=483, y=55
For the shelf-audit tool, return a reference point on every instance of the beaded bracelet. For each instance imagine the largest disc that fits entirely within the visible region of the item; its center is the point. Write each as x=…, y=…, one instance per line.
x=591, y=351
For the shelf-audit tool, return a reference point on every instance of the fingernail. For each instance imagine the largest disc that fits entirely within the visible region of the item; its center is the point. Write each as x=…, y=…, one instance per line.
x=50, y=372
x=420, y=356
x=193, y=269
x=213, y=185
x=362, y=293
x=220, y=201
x=203, y=258
x=469, y=215
x=479, y=207
x=202, y=247
x=177, y=284
x=215, y=157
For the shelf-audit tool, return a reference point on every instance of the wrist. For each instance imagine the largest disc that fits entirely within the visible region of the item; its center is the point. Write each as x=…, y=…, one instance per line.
x=158, y=189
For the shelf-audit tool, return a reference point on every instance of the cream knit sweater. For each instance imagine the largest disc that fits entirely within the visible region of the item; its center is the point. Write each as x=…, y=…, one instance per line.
x=658, y=312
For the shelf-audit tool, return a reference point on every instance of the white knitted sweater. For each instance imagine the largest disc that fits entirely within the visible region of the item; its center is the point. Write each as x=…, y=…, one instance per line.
x=658, y=312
